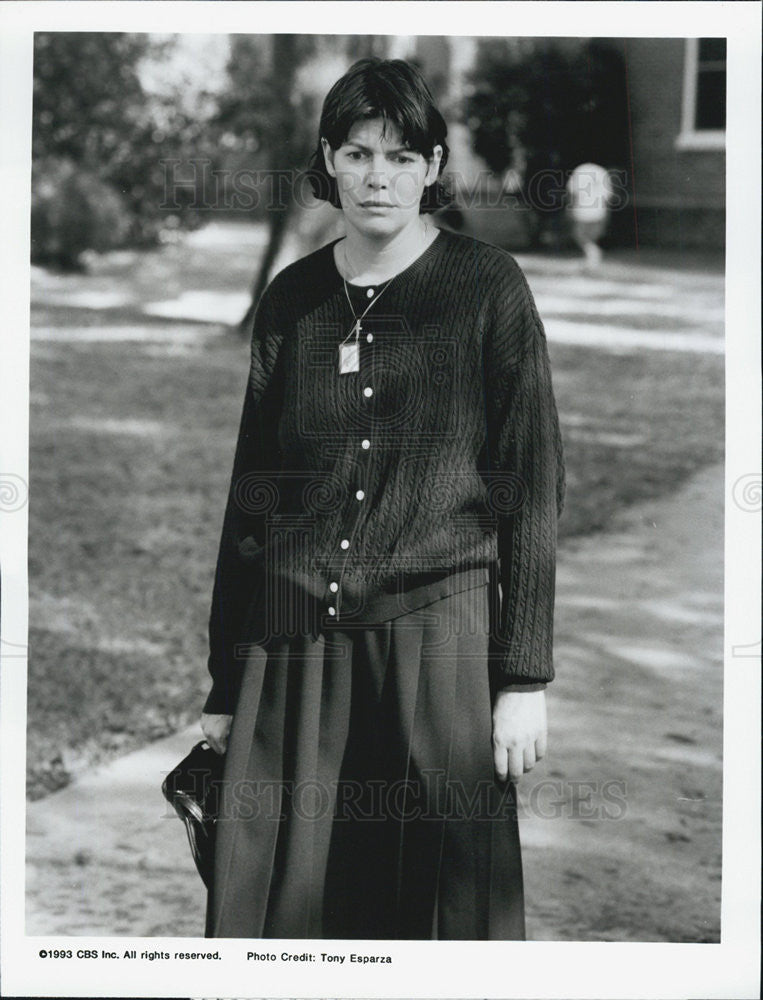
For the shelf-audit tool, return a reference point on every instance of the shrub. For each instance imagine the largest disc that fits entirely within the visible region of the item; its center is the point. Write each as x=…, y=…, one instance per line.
x=72, y=211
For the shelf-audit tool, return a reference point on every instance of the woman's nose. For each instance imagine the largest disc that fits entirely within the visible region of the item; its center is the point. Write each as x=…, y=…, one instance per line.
x=377, y=174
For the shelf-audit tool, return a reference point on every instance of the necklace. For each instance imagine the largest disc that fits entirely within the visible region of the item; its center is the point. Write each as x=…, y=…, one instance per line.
x=349, y=354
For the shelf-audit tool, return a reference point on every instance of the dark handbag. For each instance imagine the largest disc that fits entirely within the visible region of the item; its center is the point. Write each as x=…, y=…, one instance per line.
x=193, y=790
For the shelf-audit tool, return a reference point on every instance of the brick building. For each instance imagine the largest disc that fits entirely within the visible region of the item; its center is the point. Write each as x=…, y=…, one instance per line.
x=677, y=90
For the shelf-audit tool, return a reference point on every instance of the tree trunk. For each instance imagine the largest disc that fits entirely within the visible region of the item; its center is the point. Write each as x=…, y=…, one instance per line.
x=278, y=221
x=284, y=61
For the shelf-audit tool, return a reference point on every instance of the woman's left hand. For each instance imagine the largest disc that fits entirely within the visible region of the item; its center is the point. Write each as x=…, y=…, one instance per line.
x=519, y=732
x=216, y=729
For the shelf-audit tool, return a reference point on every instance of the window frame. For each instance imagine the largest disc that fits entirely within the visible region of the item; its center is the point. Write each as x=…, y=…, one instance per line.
x=690, y=137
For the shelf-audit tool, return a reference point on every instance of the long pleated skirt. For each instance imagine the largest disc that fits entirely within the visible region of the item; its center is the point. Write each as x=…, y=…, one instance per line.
x=359, y=797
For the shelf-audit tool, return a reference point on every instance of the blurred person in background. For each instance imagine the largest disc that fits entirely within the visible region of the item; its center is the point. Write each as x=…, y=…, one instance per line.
x=381, y=621
x=589, y=192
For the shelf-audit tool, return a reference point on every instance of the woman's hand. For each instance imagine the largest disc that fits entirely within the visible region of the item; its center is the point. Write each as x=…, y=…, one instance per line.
x=519, y=732
x=216, y=729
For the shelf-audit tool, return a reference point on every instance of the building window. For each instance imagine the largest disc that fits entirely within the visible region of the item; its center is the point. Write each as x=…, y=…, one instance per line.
x=703, y=120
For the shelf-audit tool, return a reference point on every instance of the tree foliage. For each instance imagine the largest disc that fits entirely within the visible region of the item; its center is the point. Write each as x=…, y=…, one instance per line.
x=116, y=161
x=100, y=138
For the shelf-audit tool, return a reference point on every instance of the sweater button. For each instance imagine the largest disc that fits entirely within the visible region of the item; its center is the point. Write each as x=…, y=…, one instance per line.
x=332, y=611
x=360, y=495
x=365, y=444
x=370, y=293
x=368, y=391
x=369, y=337
x=333, y=587
x=344, y=544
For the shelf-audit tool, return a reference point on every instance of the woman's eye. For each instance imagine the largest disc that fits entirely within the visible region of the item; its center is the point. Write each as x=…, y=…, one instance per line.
x=354, y=154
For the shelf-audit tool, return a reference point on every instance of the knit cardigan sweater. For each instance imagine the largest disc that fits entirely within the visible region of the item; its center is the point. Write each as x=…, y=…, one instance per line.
x=435, y=467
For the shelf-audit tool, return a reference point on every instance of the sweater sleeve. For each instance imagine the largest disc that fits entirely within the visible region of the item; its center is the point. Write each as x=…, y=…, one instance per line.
x=239, y=571
x=526, y=485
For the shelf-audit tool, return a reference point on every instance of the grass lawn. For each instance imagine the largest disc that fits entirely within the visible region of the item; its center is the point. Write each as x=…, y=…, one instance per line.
x=131, y=450
x=634, y=426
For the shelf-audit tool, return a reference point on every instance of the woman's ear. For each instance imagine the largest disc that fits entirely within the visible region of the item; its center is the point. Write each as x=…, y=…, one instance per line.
x=433, y=168
x=328, y=156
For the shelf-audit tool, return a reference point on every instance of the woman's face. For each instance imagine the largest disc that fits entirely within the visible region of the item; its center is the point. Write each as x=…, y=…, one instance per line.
x=380, y=181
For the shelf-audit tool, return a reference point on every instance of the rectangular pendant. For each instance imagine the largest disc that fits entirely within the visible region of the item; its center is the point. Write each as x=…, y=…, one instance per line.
x=349, y=358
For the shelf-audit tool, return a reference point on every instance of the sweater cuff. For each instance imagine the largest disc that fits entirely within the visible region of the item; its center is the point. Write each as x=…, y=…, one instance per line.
x=516, y=669
x=517, y=684
x=221, y=700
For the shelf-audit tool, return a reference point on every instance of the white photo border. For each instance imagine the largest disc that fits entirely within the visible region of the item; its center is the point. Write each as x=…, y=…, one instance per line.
x=420, y=969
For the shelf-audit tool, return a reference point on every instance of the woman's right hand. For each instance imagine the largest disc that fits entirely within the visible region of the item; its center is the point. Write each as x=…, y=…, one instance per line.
x=216, y=729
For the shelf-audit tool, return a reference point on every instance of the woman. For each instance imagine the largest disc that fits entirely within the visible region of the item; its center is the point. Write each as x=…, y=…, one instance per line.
x=399, y=457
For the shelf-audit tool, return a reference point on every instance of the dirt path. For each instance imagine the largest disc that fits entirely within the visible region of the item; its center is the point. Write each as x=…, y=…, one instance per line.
x=636, y=716
x=621, y=822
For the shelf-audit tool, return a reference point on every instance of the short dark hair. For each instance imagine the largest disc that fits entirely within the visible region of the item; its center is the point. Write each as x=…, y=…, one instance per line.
x=391, y=89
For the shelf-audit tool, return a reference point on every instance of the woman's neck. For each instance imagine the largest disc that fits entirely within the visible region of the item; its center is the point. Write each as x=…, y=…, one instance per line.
x=366, y=262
